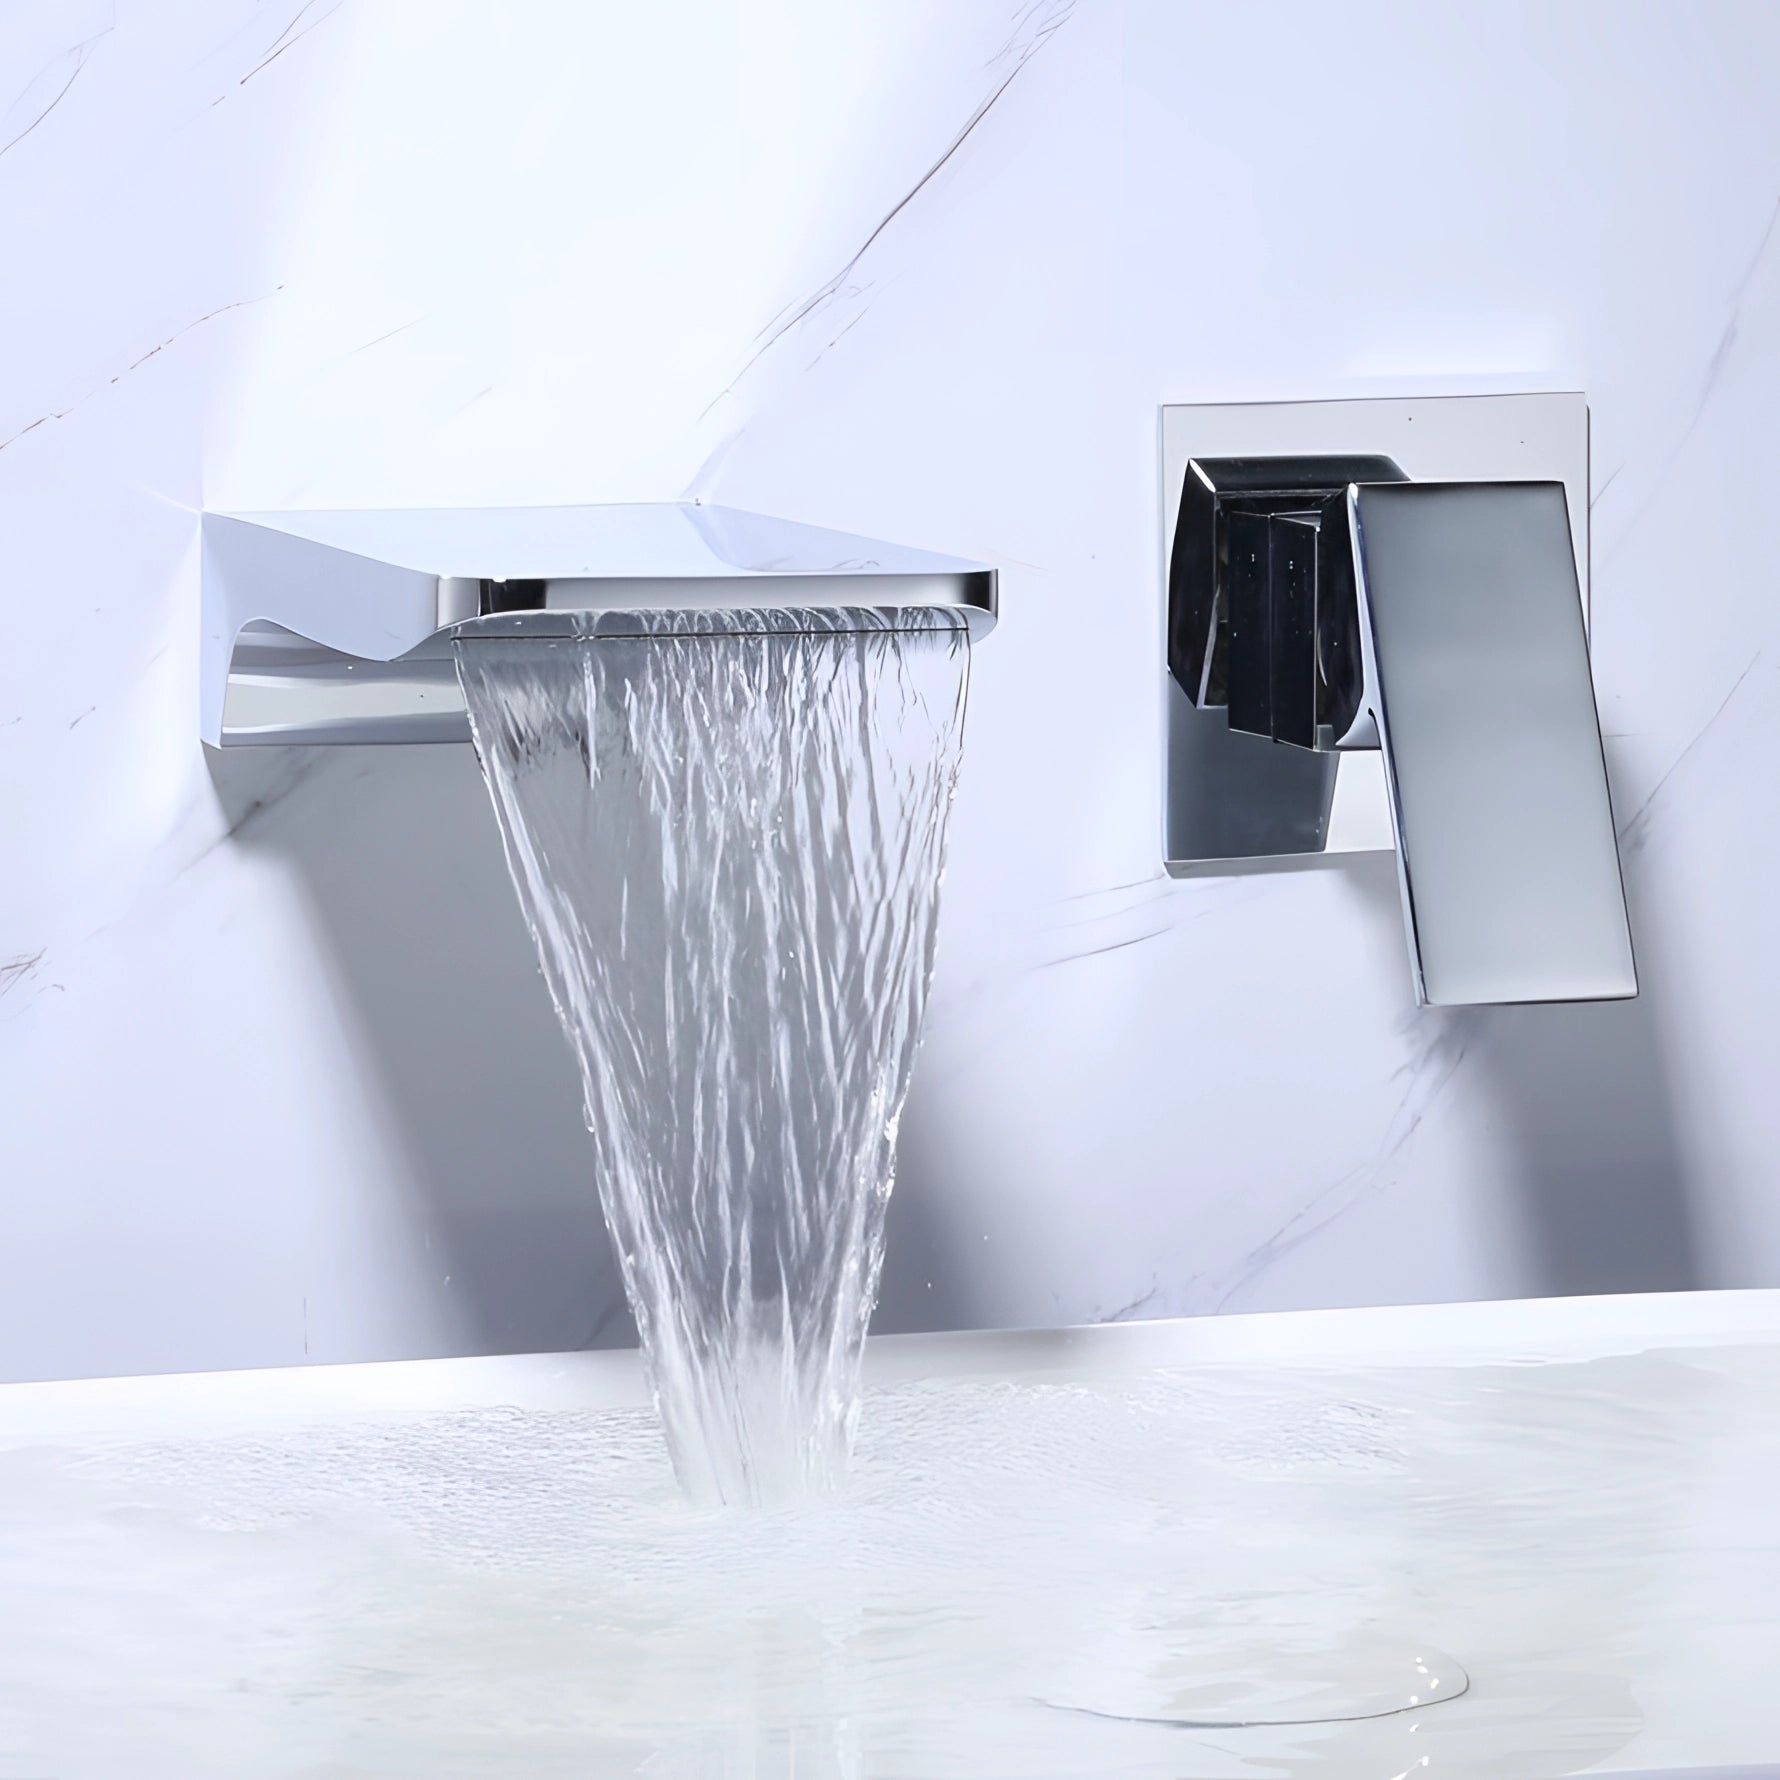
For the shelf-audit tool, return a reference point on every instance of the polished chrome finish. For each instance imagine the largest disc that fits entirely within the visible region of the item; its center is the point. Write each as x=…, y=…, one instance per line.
x=1235, y=800
x=337, y=626
x=283, y=688
x=1249, y=603
x=1232, y=798
x=1476, y=670
x=1321, y=603
x=1261, y=599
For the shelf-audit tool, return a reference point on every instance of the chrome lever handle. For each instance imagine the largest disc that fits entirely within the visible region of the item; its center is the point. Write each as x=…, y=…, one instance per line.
x=1477, y=678
x=1330, y=603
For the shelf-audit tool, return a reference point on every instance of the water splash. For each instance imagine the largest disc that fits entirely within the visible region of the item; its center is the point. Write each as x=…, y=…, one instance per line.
x=728, y=835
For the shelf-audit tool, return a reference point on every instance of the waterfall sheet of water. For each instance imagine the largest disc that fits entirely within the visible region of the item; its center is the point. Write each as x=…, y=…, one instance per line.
x=727, y=832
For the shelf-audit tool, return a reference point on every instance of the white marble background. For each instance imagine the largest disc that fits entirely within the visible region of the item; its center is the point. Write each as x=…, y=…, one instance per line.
x=278, y=1079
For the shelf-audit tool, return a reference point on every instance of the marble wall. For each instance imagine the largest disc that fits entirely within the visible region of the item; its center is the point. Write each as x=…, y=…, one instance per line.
x=278, y=1078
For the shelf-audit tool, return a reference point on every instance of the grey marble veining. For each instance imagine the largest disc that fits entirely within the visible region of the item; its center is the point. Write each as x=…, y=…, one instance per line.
x=981, y=239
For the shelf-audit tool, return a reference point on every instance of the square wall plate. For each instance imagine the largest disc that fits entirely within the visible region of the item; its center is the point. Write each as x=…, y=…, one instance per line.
x=1495, y=438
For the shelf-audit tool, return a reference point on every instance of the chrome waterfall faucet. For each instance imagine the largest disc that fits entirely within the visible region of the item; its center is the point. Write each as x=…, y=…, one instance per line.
x=339, y=626
x=1322, y=601
x=1401, y=582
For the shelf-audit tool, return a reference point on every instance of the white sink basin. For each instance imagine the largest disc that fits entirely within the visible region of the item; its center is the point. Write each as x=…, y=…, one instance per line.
x=1103, y=1552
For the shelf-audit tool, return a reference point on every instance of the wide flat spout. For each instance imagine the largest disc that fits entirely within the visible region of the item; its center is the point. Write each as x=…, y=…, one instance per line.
x=339, y=626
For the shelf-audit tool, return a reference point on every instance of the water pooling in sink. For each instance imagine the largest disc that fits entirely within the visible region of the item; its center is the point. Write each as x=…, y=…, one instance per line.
x=727, y=832
x=503, y=1590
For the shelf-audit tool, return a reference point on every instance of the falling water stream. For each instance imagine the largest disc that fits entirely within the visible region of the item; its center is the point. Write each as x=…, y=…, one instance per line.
x=727, y=832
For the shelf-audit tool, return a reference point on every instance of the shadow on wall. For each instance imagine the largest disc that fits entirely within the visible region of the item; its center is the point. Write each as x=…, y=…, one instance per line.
x=1604, y=1195
x=397, y=851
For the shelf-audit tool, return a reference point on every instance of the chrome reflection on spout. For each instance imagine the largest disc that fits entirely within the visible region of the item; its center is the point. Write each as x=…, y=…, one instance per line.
x=1330, y=603
x=339, y=626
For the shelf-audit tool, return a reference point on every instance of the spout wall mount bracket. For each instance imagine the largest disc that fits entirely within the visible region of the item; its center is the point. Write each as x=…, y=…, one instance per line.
x=339, y=626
